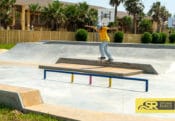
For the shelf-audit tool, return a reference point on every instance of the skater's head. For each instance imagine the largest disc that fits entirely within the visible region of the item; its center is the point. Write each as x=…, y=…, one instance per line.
x=99, y=26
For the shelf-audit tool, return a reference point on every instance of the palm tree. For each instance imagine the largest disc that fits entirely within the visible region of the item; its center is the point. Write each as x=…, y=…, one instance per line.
x=71, y=14
x=79, y=15
x=92, y=16
x=126, y=23
x=164, y=15
x=33, y=9
x=155, y=13
x=82, y=10
x=116, y=3
x=135, y=8
x=6, y=8
x=53, y=15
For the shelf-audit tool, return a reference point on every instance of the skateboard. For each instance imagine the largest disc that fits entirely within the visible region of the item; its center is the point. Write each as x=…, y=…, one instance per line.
x=104, y=61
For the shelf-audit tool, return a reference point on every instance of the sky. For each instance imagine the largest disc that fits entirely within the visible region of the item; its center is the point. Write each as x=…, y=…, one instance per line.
x=169, y=4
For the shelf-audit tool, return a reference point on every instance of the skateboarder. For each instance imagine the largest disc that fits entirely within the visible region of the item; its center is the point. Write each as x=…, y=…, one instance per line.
x=104, y=38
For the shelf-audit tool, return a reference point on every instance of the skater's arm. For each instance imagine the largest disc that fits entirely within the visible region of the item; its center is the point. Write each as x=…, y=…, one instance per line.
x=92, y=27
x=112, y=28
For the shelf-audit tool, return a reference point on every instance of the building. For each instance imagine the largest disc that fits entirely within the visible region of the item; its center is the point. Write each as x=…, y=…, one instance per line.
x=22, y=15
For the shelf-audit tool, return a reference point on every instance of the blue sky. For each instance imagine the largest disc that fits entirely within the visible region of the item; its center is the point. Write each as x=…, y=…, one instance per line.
x=170, y=4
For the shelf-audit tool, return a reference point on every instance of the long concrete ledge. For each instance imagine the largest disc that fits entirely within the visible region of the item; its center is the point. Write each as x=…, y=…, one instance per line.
x=146, y=68
x=29, y=100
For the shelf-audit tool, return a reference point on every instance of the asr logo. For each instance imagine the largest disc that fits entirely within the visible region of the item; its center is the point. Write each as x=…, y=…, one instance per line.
x=155, y=105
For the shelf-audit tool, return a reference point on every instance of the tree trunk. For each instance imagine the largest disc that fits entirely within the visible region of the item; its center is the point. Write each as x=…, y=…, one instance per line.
x=115, y=16
x=135, y=25
x=159, y=26
x=116, y=12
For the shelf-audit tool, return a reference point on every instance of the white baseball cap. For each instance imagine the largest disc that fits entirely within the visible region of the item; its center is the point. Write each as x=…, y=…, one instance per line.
x=99, y=25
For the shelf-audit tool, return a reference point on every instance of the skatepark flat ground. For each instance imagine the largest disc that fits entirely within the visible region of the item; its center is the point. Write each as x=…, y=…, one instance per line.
x=21, y=70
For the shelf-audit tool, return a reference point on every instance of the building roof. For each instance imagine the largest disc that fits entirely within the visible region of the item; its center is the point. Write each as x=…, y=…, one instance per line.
x=121, y=14
x=46, y=2
x=28, y=2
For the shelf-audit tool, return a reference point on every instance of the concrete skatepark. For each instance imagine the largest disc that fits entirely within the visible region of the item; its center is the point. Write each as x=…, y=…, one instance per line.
x=19, y=67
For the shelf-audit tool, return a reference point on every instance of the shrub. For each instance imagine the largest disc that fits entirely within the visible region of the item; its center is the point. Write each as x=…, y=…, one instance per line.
x=156, y=38
x=172, y=38
x=163, y=37
x=118, y=36
x=146, y=38
x=81, y=35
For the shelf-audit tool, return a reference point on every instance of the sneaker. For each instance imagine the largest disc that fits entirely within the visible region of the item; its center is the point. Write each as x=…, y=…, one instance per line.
x=110, y=60
x=102, y=58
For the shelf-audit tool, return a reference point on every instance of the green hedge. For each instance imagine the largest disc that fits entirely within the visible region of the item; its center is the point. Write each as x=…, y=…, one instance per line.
x=146, y=37
x=163, y=37
x=156, y=38
x=172, y=38
x=118, y=36
x=81, y=35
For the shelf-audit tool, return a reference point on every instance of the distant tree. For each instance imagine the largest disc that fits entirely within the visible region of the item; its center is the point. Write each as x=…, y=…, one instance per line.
x=159, y=14
x=92, y=16
x=116, y=3
x=164, y=15
x=6, y=8
x=71, y=14
x=53, y=15
x=126, y=23
x=79, y=15
x=135, y=8
x=155, y=13
x=82, y=17
x=33, y=9
x=145, y=25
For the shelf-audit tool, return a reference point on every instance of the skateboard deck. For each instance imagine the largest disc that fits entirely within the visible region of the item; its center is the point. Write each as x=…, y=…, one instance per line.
x=104, y=61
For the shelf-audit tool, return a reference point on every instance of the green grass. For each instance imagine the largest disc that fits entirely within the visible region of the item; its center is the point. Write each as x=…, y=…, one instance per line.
x=172, y=44
x=10, y=114
x=6, y=46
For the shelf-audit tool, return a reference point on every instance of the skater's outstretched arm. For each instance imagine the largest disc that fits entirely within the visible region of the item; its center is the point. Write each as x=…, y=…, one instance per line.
x=92, y=27
x=112, y=28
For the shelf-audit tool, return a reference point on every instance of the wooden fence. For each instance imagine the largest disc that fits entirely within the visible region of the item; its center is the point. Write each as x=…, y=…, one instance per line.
x=16, y=36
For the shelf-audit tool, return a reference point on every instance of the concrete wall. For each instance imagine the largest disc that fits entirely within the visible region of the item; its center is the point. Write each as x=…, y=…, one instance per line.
x=10, y=99
x=19, y=97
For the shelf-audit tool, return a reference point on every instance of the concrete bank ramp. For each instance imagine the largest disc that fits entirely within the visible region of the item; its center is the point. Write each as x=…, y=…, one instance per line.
x=45, y=52
x=48, y=52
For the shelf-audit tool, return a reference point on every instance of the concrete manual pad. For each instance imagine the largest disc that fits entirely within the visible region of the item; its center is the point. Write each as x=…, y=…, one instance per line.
x=57, y=89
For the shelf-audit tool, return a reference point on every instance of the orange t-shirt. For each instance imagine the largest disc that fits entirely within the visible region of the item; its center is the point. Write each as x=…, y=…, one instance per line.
x=103, y=34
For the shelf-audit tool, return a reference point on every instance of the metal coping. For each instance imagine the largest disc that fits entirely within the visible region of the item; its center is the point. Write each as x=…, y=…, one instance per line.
x=133, y=45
